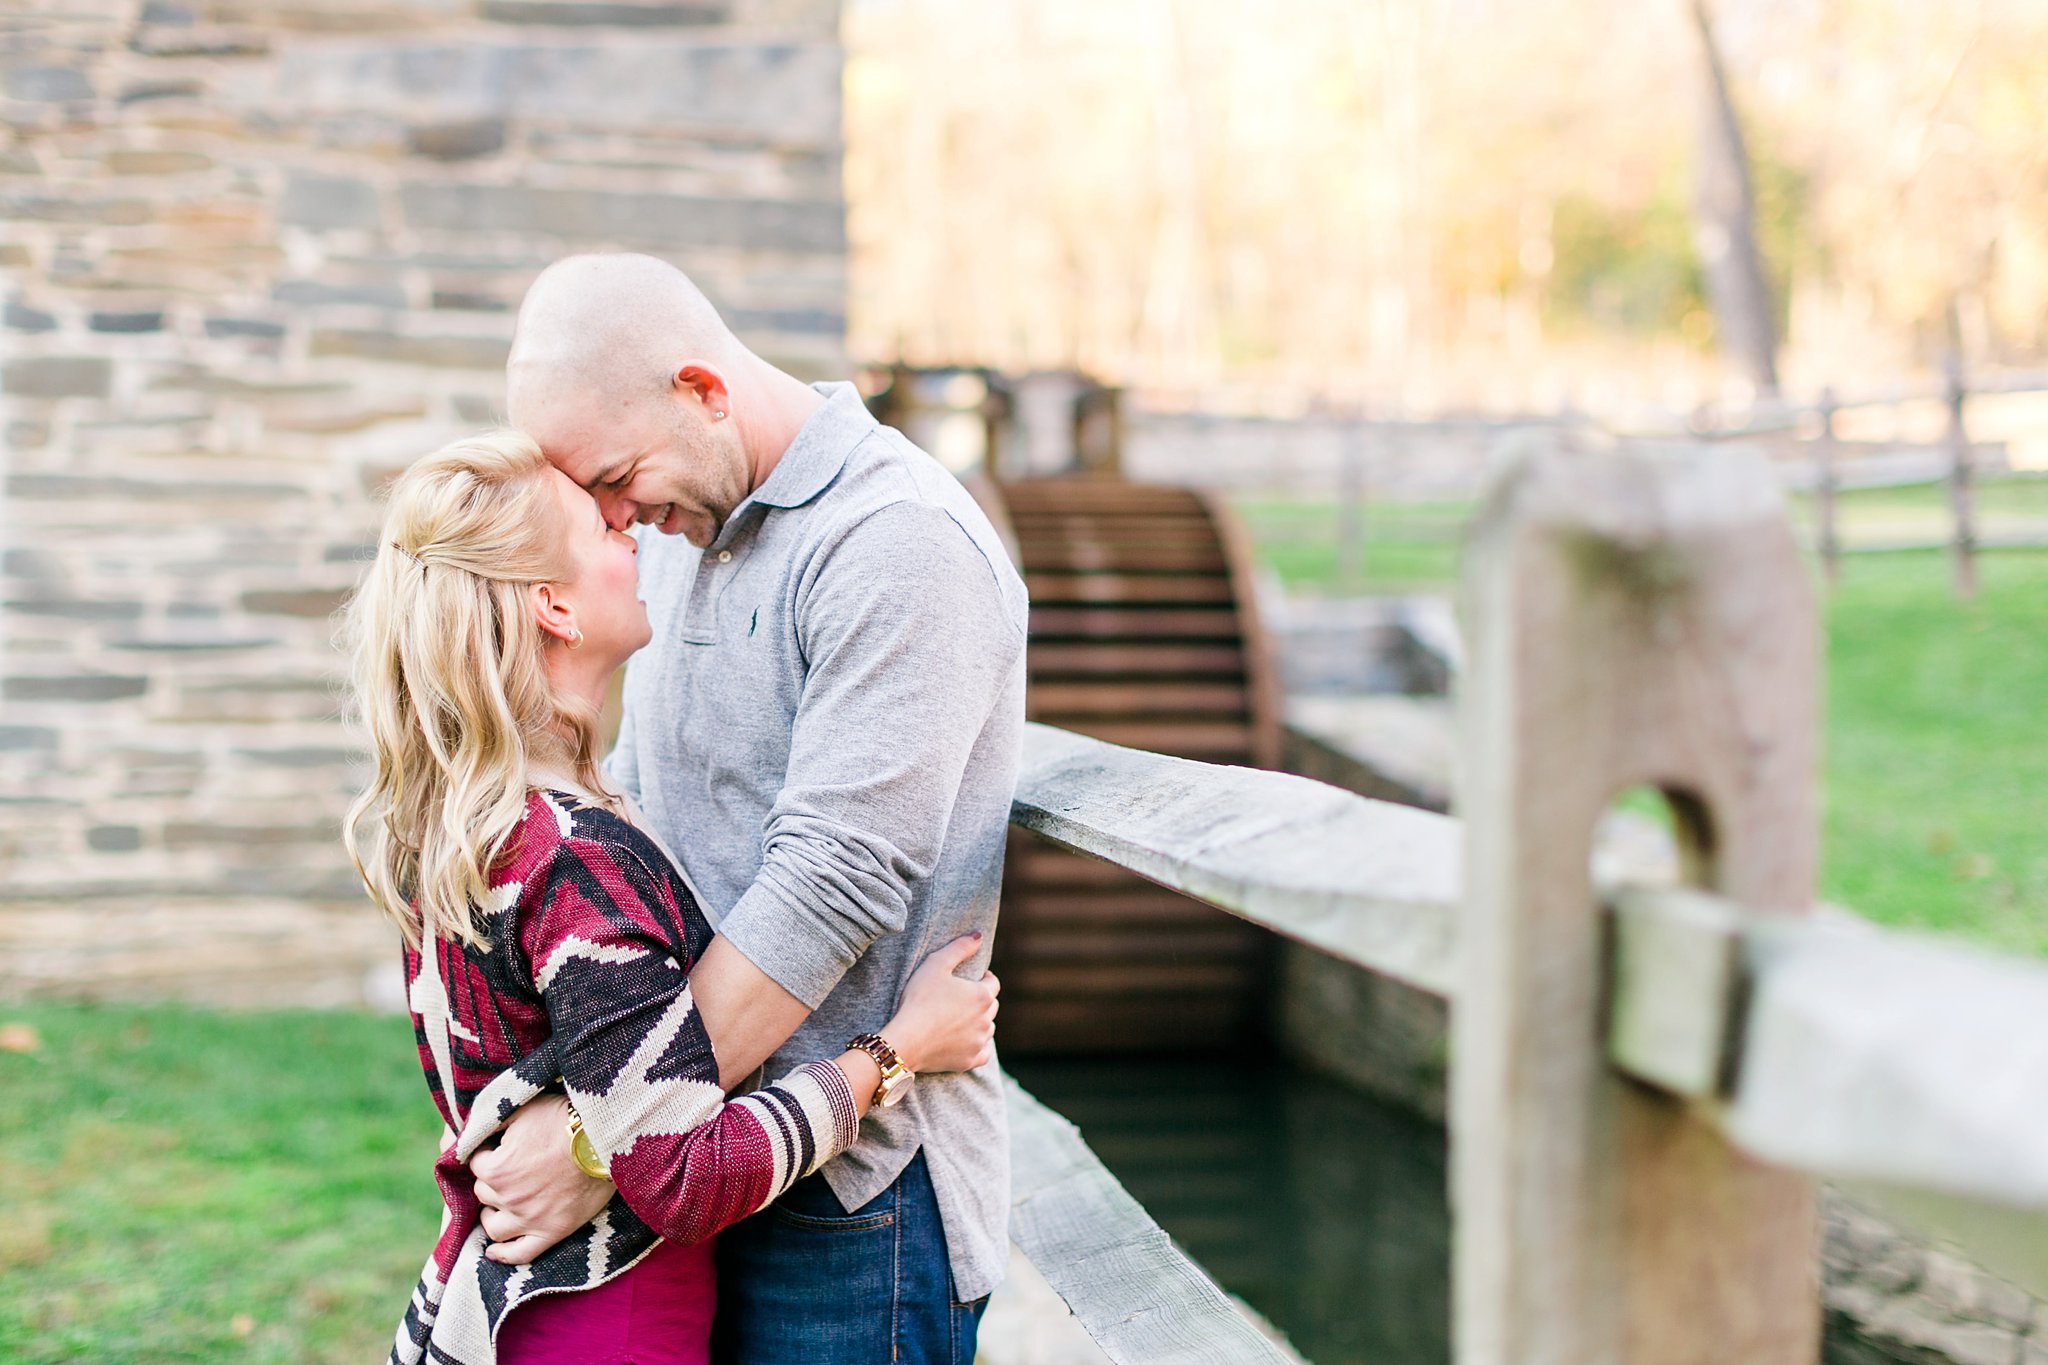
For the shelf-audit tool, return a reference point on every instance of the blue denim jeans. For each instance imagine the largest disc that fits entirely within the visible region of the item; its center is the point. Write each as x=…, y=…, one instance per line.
x=809, y=1282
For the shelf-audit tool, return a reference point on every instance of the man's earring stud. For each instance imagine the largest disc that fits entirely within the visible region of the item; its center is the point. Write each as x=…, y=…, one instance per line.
x=717, y=416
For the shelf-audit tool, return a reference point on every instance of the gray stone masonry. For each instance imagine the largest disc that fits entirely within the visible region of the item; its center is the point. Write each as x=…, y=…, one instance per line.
x=257, y=258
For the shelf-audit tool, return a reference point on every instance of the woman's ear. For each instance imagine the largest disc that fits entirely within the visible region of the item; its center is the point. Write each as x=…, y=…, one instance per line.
x=554, y=614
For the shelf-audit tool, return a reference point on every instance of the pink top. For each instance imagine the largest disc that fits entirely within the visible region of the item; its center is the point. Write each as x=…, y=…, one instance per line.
x=657, y=1313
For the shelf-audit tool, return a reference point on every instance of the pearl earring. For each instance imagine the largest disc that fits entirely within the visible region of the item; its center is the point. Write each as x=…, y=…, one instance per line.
x=575, y=638
x=718, y=417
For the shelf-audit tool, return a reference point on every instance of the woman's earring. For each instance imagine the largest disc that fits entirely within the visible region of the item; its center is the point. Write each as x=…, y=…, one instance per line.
x=575, y=638
x=717, y=416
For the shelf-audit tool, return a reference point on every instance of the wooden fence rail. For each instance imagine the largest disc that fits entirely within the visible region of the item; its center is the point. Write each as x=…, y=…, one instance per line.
x=1644, y=1078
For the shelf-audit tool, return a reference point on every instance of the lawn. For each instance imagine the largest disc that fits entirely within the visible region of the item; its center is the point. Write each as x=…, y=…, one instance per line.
x=189, y=1186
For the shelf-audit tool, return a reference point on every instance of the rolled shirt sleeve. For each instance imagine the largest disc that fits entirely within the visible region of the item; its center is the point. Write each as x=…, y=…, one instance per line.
x=908, y=645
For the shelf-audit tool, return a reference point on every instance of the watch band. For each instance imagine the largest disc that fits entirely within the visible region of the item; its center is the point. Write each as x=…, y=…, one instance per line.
x=895, y=1076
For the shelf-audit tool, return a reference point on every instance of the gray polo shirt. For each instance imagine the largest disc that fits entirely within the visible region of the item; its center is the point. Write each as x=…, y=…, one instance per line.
x=826, y=730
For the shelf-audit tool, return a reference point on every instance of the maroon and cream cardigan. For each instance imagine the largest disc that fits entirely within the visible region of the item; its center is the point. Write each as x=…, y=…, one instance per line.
x=591, y=937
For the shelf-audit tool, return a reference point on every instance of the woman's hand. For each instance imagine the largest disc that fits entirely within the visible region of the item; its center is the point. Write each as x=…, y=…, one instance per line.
x=946, y=1022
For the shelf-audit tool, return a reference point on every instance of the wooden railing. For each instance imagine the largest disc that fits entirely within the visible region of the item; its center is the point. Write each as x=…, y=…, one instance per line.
x=1646, y=1080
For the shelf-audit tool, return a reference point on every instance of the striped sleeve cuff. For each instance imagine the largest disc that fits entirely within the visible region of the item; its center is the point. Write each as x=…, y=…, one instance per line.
x=838, y=1098
x=808, y=1117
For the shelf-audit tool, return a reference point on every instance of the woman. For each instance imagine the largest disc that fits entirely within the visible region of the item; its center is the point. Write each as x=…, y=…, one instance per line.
x=549, y=940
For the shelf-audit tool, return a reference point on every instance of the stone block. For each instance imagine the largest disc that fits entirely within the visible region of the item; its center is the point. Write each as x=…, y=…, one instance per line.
x=178, y=40
x=126, y=322
x=189, y=643
x=76, y=609
x=785, y=93
x=451, y=352
x=79, y=687
x=307, y=602
x=481, y=409
x=113, y=838
x=14, y=255
x=243, y=327
x=24, y=435
x=814, y=321
x=19, y=161
x=329, y=201
x=459, y=140
x=181, y=835
x=1964, y=1343
x=57, y=376
x=144, y=161
x=819, y=17
x=21, y=738
x=20, y=317
x=34, y=565
x=304, y=756
x=321, y=291
x=82, y=488
x=606, y=13
x=1963, y=1291
x=468, y=301
x=85, y=210
x=667, y=222
x=48, y=84
x=336, y=420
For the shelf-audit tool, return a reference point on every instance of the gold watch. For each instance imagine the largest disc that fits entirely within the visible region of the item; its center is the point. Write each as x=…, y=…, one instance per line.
x=896, y=1078
x=581, y=1151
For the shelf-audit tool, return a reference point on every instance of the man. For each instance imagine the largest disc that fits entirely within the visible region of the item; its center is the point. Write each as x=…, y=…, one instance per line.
x=826, y=731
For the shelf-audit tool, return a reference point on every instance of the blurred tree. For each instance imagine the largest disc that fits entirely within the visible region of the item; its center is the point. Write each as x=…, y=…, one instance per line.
x=1724, y=229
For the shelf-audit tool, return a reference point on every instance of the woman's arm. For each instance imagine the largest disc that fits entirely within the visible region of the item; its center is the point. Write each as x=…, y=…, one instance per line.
x=641, y=1071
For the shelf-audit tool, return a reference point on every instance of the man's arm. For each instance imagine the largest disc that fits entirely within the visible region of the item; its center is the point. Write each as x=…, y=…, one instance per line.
x=910, y=641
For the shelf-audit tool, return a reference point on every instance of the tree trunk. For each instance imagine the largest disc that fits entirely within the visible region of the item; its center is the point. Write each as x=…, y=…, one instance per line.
x=1724, y=227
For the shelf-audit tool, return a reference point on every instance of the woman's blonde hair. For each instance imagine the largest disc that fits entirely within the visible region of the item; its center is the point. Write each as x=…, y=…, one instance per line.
x=450, y=683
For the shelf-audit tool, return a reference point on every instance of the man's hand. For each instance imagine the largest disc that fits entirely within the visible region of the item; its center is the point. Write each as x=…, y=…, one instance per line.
x=533, y=1192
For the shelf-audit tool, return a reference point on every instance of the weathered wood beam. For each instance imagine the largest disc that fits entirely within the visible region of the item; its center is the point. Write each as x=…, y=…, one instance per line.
x=1819, y=1043
x=1141, y=1299
x=1834, y=1047
x=1367, y=881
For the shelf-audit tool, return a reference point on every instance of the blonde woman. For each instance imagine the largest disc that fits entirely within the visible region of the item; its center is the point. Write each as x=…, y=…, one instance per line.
x=549, y=942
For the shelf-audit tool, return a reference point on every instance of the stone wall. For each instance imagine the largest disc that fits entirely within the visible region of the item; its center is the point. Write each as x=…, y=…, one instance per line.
x=257, y=257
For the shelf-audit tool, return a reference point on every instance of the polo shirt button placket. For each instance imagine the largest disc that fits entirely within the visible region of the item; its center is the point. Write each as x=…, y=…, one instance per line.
x=725, y=556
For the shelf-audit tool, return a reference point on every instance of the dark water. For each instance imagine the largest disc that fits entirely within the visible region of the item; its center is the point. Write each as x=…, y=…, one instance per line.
x=1320, y=1208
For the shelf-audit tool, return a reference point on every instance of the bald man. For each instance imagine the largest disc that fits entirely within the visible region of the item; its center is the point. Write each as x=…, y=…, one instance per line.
x=825, y=730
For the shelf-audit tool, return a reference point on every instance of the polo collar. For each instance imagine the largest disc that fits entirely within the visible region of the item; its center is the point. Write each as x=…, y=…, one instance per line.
x=820, y=449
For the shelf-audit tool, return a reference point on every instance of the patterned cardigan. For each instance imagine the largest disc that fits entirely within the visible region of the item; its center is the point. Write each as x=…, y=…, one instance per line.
x=591, y=935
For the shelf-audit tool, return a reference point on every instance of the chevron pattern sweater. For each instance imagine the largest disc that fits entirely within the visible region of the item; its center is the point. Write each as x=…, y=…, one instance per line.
x=591, y=935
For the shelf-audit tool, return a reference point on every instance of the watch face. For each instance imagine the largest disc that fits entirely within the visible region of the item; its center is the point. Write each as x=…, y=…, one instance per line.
x=895, y=1087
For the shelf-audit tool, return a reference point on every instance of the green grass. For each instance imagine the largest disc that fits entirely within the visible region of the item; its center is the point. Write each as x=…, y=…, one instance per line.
x=1936, y=754
x=1937, y=762
x=189, y=1186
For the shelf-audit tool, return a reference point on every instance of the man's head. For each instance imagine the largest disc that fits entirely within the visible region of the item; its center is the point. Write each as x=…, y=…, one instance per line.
x=623, y=372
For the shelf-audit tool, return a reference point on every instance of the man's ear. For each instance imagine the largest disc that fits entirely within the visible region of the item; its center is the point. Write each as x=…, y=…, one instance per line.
x=552, y=612
x=704, y=383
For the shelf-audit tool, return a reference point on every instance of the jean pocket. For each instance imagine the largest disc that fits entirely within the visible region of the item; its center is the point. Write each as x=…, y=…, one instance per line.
x=845, y=1222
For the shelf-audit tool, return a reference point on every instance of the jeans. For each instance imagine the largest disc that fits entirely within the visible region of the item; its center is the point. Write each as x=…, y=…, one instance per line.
x=806, y=1282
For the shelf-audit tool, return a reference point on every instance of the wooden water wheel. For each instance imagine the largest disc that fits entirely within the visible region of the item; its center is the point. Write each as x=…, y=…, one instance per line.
x=1144, y=632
